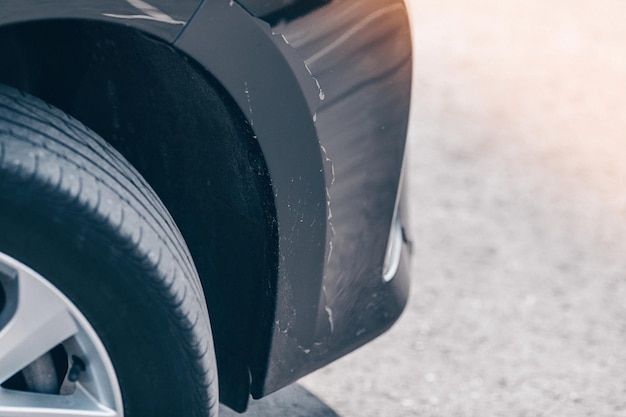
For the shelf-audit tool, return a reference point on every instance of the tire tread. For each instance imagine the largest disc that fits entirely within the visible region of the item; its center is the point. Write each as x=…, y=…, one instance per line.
x=41, y=137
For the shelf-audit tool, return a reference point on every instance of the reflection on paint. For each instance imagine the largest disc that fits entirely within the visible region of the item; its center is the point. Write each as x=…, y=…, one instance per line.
x=151, y=13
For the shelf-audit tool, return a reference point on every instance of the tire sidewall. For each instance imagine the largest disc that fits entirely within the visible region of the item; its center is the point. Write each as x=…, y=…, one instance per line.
x=117, y=289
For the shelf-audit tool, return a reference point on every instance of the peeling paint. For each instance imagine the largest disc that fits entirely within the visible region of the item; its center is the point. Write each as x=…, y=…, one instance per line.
x=322, y=95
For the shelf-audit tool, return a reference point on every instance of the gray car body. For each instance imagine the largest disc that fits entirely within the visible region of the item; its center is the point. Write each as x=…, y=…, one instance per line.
x=322, y=91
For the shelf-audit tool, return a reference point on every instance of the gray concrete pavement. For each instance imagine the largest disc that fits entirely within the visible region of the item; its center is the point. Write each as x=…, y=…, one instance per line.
x=293, y=401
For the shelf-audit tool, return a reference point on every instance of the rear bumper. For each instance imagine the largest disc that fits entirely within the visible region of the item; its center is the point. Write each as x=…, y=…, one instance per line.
x=326, y=92
x=360, y=54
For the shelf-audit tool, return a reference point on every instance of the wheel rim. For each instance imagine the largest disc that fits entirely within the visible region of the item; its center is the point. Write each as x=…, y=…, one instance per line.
x=35, y=319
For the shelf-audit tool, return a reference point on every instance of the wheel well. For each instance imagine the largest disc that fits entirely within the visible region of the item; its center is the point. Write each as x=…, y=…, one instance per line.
x=181, y=131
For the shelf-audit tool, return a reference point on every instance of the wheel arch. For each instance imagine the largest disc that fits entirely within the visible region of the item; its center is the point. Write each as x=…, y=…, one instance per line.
x=158, y=107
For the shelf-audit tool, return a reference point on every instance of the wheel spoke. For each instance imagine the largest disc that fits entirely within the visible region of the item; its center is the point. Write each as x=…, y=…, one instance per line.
x=40, y=322
x=25, y=404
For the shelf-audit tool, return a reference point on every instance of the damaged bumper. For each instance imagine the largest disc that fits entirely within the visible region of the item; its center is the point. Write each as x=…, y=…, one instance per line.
x=360, y=54
x=326, y=90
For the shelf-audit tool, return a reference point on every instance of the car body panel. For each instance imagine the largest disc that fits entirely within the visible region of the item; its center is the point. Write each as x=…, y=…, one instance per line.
x=325, y=90
x=360, y=55
x=161, y=18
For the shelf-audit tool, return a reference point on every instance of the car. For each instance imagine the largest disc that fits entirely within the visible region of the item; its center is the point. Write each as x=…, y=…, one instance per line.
x=200, y=201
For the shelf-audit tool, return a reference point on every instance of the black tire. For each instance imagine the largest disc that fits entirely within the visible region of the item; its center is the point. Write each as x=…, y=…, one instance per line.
x=76, y=212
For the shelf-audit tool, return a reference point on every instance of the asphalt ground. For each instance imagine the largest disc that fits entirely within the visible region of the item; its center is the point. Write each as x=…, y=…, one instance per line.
x=517, y=174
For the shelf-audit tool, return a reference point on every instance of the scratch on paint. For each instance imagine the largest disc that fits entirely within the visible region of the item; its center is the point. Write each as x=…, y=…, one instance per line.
x=322, y=94
x=247, y=91
x=330, y=251
x=330, y=164
x=332, y=167
x=328, y=310
x=328, y=204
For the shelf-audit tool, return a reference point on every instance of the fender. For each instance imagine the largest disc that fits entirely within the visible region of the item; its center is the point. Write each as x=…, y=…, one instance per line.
x=279, y=97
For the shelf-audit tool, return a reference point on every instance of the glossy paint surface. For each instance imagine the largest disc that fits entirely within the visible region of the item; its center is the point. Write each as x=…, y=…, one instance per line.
x=161, y=18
